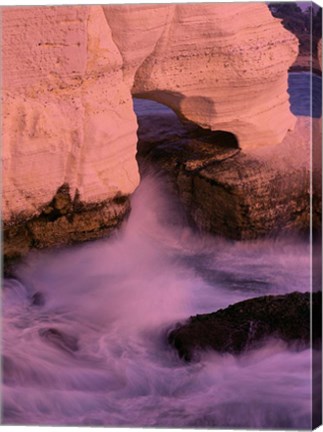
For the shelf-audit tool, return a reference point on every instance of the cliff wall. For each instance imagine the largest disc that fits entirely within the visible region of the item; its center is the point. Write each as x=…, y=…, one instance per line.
x=67, y=113
x=69, y=128
x=221, y=66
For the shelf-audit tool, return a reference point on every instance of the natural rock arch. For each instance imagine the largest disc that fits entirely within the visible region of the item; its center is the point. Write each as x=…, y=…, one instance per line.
x=227, y=79
x=68, y=82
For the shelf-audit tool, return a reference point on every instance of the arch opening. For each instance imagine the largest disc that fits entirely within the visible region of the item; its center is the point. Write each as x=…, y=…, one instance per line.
x=165, y=138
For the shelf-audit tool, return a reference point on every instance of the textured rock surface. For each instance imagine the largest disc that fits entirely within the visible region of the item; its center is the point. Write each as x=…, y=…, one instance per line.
x=67, y=114
x=221, y=66
x=247, y=324
x=226, y=190
x=68, y=76
x=62, y=222
x=306, y=24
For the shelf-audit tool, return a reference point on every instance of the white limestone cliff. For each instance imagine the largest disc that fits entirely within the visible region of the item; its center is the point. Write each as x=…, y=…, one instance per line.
x=68, y=75
x=222, y=66
x=67, y=114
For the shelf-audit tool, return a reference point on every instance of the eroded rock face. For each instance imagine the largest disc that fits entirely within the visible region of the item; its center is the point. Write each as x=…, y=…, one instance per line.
x=227, y=191
x=67, y=114
x=247, y=324
x=67, y=120
x=306, y=25
x=220, y=66
x=69, y=74
x=63, y=221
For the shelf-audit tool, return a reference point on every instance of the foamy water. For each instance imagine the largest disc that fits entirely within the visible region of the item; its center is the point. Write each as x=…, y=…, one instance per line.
x=115, y=301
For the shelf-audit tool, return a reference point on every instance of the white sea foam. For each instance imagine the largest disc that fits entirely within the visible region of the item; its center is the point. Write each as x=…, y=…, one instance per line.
x=119, y=297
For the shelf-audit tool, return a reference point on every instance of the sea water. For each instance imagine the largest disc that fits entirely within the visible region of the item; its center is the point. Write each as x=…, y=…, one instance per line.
x=115, y=301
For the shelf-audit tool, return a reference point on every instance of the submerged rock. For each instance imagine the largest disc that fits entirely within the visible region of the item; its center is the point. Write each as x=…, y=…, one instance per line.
x=247, y=324
x=38, y=299
x=60, y=339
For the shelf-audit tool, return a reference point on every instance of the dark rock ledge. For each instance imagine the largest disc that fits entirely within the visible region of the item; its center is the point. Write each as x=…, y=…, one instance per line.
x=63, y=221
x=247, y=324
x=224, y=190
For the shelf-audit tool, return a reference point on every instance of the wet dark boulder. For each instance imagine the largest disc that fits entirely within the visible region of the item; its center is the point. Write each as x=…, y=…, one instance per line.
x=249, y=323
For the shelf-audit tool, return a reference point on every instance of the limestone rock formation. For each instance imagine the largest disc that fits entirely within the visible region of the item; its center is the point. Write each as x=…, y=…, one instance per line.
x=67, y=121
x=221, y=66
x=306, y=24
x=225, y=190
x=68, y=76
x=67, y=114
x=247, y=324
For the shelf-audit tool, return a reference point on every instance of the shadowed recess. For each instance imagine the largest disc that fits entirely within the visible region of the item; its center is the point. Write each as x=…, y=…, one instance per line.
x=159, y=124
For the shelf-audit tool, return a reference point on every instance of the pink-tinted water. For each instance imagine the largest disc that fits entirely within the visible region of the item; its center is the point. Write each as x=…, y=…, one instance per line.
x=116, y=299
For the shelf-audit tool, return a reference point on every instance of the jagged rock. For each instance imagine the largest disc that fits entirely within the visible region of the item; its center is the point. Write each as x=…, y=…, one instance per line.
x=228, y=191
x=247, y=324
x=63, y=222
